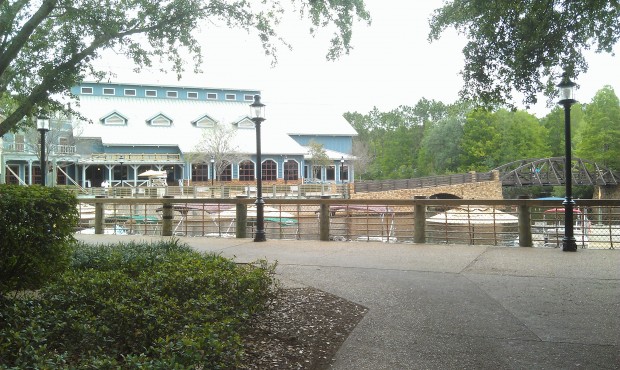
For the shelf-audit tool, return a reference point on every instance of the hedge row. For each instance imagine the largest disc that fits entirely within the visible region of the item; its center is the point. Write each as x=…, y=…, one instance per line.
x=152, y=306
x=36, y=235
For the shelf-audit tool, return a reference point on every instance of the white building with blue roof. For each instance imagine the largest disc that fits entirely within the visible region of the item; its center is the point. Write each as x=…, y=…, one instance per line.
x=128, y=129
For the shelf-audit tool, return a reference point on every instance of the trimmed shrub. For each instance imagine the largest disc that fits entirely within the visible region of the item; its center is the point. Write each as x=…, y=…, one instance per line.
x=154, y=306
x=36, y=235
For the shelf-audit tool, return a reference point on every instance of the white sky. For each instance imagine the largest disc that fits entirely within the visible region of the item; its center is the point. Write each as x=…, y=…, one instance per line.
x=392, y=64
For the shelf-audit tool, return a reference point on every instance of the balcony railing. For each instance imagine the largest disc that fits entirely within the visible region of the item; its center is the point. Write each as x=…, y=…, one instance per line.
x=35, y=149
x=509, y=223
x=143, y=157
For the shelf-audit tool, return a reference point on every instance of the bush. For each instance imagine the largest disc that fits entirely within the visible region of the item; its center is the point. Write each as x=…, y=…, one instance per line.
x=155, y=306
x=36, y=229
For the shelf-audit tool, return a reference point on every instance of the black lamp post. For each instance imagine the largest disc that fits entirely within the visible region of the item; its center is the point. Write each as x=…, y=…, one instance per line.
x=212, y=176
x=43, y=125
x=341, y=169
x=212, y=170
x=285, y=170
x=121, y=159
x=258, y=116
x=567, y=89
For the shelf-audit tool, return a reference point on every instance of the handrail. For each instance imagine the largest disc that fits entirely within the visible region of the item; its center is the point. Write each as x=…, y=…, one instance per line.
x=514, y=222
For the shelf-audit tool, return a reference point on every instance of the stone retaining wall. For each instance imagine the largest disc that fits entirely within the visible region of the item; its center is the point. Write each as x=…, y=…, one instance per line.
x=474, y=190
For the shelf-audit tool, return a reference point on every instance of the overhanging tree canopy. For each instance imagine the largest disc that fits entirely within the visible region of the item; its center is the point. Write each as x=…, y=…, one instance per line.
x=522, y=45
x=47, y=46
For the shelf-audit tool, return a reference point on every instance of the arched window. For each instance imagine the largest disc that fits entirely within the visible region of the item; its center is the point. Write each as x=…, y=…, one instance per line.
x=291, y=170
x=246, y=171
x=270, y=170
x=226, y=174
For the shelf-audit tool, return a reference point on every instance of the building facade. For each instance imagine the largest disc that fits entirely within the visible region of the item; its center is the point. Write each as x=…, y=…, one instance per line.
x=196, y=135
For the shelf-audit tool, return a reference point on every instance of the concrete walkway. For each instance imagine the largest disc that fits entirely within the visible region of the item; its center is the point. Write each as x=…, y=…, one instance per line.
x=454, y=306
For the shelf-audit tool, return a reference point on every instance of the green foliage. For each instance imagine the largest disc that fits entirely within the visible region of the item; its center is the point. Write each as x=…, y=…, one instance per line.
x=155, y=306
x=515, y=45
x=36, y=227
x=48, y=46
x=600, y=134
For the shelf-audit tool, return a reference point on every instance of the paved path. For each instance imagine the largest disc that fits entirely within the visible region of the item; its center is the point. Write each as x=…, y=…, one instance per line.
x=454, y=306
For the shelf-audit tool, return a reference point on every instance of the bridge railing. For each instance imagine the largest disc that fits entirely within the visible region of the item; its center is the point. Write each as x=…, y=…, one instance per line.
x=421, y=182
x=518, y=222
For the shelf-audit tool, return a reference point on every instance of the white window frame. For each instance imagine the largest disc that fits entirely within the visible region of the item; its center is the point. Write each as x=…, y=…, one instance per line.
x=248, y=97
x=172, y=94
x=160, y=120
x=205, y=123
x=108, y=93
x=154, y=92
x=193, y=93
x=84, y=90
x=122, y=120
x=211, y=96
x=126, y=92
x=228, y=97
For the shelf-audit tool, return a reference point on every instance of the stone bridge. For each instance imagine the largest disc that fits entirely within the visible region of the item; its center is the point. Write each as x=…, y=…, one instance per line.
x=486, y=189
x=488, y=185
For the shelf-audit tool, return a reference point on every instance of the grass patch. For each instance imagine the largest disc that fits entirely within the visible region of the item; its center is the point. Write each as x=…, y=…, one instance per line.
x=154, y=306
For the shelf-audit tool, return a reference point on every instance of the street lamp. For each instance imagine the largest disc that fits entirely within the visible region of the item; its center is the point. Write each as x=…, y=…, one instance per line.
x=341, y=169
x=121, y=159
x=566, y=89
x=43, y=125
x=257, y=112
x=212, y=170
x=285, y=170
x=212, y=176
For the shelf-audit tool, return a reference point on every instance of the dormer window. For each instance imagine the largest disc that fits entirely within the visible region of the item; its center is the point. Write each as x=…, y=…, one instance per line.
x=87, y=90
x=109, y=91
x=248, y=97
x=211, y=96
x=192, y=95
x=172, y=94
x=231, y=97
x=205, y=122
x=114, y=119
x=150, y=93
x=159, y=120
x=245, y=123
x=130, y=92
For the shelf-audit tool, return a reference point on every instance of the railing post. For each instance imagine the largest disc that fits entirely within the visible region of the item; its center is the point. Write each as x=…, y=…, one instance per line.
x=419, y=227
x=324, y=220
x=241, y=210
x=167, y=216
x=99, y=212
x=525, y=228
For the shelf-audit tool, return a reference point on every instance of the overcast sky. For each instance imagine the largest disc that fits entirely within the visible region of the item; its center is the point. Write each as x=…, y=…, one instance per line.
x=392, y=64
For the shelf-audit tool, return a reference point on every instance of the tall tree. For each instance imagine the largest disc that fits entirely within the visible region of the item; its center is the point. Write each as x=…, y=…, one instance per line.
x=481, y=143
x=318, y=158
x=554, y=123
x=47, y=46
x=600, y=135
x=216, y=143
x=515, y=45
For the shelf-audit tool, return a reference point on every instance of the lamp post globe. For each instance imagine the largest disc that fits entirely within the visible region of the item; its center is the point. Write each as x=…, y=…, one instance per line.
x=566, y=89
x=257, y=114
x=43, y=126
